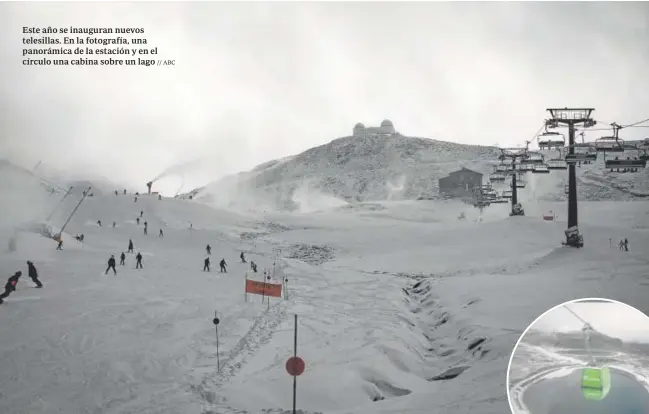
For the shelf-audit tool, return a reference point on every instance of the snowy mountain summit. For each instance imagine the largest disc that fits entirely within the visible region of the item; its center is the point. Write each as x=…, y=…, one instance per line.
x=375, y=163
x=379, y=163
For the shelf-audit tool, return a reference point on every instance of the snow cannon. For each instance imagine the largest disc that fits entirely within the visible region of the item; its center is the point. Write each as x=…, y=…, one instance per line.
x=149, y=184
x=595, y=383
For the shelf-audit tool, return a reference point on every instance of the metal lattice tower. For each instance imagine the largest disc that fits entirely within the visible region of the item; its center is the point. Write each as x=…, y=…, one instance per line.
x=570, y=118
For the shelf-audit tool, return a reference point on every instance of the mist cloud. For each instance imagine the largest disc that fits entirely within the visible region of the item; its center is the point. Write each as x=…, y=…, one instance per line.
x=257, y=81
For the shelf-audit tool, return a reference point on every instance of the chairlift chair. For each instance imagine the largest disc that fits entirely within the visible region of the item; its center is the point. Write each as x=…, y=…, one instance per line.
x=541, y=169
x=507, y=194
x=520, y=184
x=584, y=154
x=627, y=165
x=502, y=168
x=609, y=144
x=551, y=140
x=532, y=158
x=496, y=177
x=557, y=164
x=500, y=200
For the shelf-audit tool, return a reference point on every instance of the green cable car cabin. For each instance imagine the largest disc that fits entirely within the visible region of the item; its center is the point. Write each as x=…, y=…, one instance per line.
x=595, y=383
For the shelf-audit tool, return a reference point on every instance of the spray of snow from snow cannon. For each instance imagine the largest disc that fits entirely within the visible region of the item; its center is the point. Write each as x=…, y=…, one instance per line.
x=178, y=169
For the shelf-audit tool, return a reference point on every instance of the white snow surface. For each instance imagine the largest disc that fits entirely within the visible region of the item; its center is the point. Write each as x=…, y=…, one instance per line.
x=389, y=295
x=352, y=169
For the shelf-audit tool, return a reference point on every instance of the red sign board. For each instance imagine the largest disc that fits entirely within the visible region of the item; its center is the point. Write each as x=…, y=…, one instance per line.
x=295, y=366
x=262, y=288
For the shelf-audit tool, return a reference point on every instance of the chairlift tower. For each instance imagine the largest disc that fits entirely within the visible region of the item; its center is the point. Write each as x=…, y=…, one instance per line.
x=514, y=154
x=571, y=117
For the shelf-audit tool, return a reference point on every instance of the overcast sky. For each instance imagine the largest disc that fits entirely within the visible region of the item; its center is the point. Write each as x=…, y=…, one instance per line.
x=613, y=319
x=257, y=81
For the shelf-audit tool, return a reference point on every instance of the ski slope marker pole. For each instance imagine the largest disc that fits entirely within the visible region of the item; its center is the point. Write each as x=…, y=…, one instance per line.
x=216, y=321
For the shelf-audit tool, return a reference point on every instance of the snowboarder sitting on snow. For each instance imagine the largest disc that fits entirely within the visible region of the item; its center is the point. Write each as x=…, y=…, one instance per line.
x=208, y=249
x=138, y=263
x=11, y=285
x=206, y=266
x=33, y=274
x=122, y=258
x=130, y=246
x=243, y=258
x=223, y=266
x=111, y=264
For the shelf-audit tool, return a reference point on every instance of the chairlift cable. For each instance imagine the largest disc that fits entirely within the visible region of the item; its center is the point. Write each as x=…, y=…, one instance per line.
x=586, y=330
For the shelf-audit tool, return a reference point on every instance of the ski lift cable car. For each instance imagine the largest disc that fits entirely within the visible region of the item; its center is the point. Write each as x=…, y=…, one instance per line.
x=610, y=143
x=550, y=139
x=595, y=378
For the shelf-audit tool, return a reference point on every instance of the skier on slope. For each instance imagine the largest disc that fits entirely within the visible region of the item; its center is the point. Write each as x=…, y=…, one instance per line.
x=33, y=274
x=137, y=220
x=141, y=213
x=253, y=266
x=138, y=263
x=114, y=224
x=223, y=266
x=206, y=266
x=626, y=245
x=111, y=264
x=208, y=249
x=60, y=245
x=243, y=257
x=130, y=246
x=99, y=223
x=146, y=227
x=10, y=286
x=161, y=234
x=122, y=259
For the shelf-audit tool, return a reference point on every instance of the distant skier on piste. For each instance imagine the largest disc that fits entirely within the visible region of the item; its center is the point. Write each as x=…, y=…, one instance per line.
x=161, y=234
x=33, y=274
x=122, y=259
x=243, y=257
x=137, y=220
x=208, y=249
x=60, y=245
x=111, y=264
x=138, y=262
x=146, y=227
x=223, y=266
x=130, y=246
x=10, y=286
x=141, y=213
x=206, y=266
x=253, y=266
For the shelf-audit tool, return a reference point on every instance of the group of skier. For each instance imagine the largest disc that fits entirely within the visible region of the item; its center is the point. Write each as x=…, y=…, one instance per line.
x=10, y=286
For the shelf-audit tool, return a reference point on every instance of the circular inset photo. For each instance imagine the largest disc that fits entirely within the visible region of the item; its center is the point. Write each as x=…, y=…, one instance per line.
x=587, y=356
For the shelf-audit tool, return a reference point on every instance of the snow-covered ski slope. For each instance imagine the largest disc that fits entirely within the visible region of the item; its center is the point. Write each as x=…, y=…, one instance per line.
x=397, y=167
x=403, y=308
